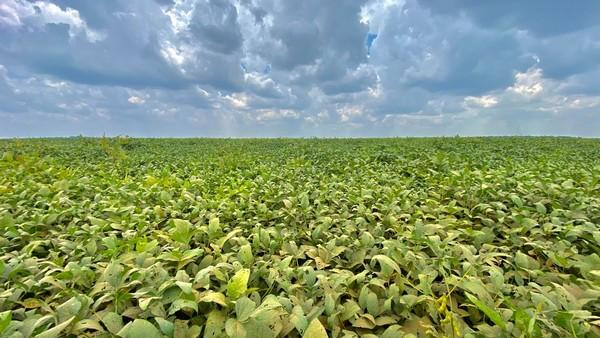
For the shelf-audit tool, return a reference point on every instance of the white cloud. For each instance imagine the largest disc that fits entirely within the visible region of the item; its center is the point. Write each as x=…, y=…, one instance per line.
x=528, y=84
x=276, y=114
x=9, y=14
x=175, y=56
x=485, y=101
x=374, y=12
x=531, y=92
x=202, y=92
x=348, y=113
x=180, y=14
x=55, y=84
x=18, y=13
x=135, y=100
x=237, y=100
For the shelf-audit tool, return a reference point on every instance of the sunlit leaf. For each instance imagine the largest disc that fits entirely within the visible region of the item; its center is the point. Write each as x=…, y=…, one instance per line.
x=238, y=284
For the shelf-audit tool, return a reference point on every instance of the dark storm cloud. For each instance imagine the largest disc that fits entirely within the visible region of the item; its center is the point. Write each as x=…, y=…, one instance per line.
x=214, y=24
x=303, y=31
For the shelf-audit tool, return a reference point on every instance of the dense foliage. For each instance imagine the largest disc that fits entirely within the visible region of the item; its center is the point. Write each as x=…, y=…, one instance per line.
x=474, y=237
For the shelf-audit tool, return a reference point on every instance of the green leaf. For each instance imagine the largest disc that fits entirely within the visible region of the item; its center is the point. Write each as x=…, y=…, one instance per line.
x=139, y=328
x=221, y=241
x=68, y=309
x=245, y=254
x=567, y=184
x=540, y=208
x=88, y=324
x=238, y=284
x=113, y=274
x=476, y=287
x=350, y=310
x=298, y=318
x=521, y=319
x=525, y=262
x=113, y=322
x=183, y=304
x=488, y=311
x=55, y=331
x=315, y=330
x=166, y=327
x=214, y=228
x=372, y=304
x=363, y=296
x=6, y=222
x=522, y=260
x=5, y=318
x=393, y=332
x=365, y=321
x=387, y=264
x=194, y=331
x=516, y=200
x=215, y=324
x=244, y=308
x=184, y=286
x=235, y=328
x=182, y=231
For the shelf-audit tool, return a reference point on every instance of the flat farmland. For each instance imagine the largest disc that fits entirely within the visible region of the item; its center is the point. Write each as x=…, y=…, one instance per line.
x=454, y=237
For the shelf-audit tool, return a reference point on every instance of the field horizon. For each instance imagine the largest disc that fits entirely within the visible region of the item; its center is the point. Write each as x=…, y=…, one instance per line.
x=297, y=137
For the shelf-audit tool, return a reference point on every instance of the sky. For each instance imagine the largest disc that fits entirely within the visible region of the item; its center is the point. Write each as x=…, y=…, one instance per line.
x=267, y=68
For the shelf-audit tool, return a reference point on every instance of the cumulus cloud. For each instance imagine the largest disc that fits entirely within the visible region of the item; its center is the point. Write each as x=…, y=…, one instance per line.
x=528, y=84
x=271, y=68
x=135, y=100
x=18, y=13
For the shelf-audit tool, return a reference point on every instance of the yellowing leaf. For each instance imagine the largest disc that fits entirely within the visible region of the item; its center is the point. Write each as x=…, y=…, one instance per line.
x=214, y=297
x=32, y=303
x=315, y=330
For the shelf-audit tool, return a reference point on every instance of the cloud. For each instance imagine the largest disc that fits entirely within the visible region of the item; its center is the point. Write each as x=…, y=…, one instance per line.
x=19, y=13
x=542, y=18
x=271, y=68
x=135, y=100
x=528, y=84
x=214, y=23
x=485, y=101
x=533, y=97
